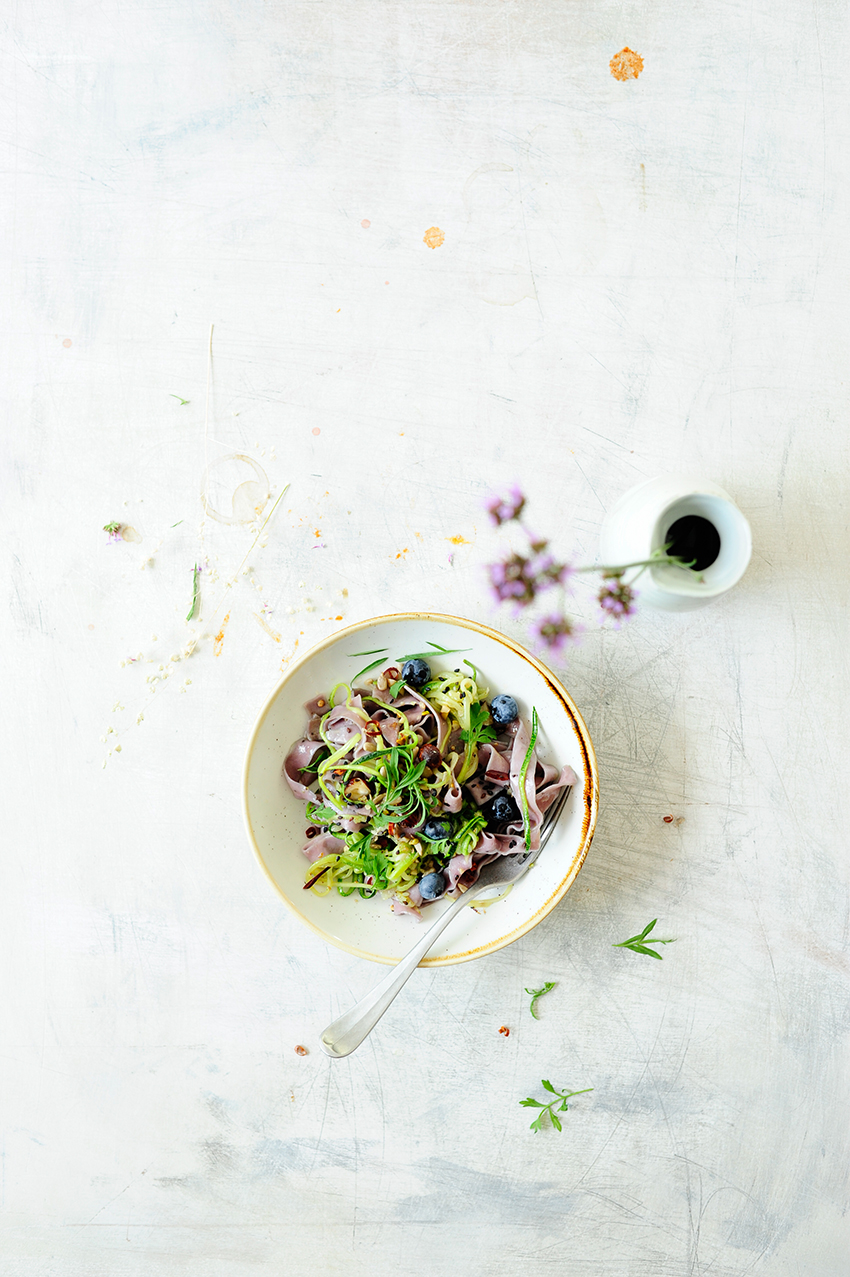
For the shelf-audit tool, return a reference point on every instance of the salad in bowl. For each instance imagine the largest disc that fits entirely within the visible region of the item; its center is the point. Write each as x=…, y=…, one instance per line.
x=412, y=779
x=396, y=758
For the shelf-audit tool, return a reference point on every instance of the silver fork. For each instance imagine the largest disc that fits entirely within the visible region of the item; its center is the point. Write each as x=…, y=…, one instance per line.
x=345, y=1034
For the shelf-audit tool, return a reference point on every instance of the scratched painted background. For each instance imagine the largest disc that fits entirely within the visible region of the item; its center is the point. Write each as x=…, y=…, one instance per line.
x=635, y=275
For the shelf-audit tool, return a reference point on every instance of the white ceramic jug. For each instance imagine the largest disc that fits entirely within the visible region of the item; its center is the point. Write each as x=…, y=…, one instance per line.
x=639, y=524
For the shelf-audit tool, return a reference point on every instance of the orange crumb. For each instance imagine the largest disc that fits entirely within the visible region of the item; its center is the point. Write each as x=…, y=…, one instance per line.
x=433, y=237
x=626, y=65
x=505, y=1031
x=458, y=540
x=337, y=618
x=219, y=638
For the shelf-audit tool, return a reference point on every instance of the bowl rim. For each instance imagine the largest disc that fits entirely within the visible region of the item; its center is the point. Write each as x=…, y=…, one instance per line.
x=590, y=795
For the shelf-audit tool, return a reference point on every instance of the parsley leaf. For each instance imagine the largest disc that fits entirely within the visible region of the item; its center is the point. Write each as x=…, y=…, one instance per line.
x=480, y=726
x=558, y=1105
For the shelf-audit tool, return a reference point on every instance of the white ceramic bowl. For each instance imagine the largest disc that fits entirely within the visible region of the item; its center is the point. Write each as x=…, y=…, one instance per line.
x=276, y=822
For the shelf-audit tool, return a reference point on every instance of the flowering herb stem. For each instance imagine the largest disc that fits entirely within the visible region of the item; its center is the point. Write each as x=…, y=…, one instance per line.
x=196, y=593
x=523, y=772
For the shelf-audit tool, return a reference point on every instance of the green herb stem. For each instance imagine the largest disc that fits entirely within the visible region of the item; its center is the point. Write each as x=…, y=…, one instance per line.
x=523, y=772
x=196, y=593
x=539, y=993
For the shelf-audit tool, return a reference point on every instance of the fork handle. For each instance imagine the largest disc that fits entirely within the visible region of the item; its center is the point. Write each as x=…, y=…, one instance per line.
x=345, y=1034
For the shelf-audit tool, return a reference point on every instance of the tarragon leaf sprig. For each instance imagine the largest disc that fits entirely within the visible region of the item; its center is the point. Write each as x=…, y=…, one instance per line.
x=196, y=593
x=538, y=993
x=638, y=943
x=553, y=1108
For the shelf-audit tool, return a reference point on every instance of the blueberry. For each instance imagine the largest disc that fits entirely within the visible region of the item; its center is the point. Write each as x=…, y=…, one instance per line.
x=416, y=672
x=503, y=710
x=501, y=810
x=437, y=830
x=432, y=886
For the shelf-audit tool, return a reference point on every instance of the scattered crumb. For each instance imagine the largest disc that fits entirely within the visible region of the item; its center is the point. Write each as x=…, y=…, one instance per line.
x=261, y=620
x=433, y=237
x=218, y=642
x=301, y=1050
x=117, y=749
x=505, y=1031
x=626, y=65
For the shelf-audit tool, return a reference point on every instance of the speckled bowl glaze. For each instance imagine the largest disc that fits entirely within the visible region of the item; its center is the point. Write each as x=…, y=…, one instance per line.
x=275, y=819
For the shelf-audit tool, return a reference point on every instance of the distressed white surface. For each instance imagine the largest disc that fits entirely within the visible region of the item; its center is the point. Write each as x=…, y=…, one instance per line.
x=635, y=277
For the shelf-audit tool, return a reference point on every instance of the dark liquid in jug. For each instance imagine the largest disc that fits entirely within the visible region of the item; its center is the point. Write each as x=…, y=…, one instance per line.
x=695, y=540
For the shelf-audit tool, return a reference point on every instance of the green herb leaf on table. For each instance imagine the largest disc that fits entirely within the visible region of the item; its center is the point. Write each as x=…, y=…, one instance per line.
x=196, y=593
x=639, y=942
x=535, y=994
x=558, y=1105
x=182, y=401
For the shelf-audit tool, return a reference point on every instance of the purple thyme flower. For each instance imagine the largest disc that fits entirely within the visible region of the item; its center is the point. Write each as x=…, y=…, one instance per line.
x=617, y=599
x=510, y=580
x=502, y=509
x=554, y=632
x=545, y=572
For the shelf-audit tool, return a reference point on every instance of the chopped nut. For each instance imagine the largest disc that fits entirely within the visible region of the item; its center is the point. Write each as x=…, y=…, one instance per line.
x=381, y=683
x=301, y=1050
x=358, y=791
